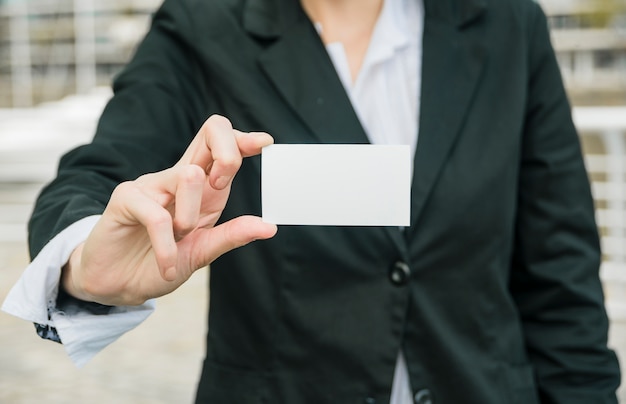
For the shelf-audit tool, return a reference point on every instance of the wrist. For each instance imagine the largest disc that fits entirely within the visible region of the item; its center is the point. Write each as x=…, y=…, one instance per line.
x=69, y=272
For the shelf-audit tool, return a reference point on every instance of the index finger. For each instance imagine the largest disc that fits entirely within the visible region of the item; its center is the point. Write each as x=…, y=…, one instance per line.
x=199, y=151
x=219, y=149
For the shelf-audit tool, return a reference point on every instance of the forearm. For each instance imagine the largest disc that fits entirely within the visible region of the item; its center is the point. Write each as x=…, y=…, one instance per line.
x=554, y=275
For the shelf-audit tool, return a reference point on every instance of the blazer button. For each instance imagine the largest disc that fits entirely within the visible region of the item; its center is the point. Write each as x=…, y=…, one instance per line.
x=399, y=273
x=423, y=396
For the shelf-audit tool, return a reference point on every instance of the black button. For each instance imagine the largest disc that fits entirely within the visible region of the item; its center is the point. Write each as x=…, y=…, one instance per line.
x=370, y=400
x=399, y=273
x=423, y=396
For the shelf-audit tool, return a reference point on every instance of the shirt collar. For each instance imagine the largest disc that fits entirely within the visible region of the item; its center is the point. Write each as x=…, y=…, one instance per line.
x=391, y=32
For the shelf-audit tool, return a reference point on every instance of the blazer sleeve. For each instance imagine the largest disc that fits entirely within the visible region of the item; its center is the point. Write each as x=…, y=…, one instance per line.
x=158, y=105
x=555, y=267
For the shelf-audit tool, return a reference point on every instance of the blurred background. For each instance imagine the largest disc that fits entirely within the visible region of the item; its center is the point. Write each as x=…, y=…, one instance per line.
x=57, y=58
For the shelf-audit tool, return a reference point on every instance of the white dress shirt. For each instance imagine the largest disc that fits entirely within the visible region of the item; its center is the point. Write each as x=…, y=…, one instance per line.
x=385, y=96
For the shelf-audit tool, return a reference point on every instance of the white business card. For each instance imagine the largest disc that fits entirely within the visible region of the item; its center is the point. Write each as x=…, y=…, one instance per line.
x=336, y=184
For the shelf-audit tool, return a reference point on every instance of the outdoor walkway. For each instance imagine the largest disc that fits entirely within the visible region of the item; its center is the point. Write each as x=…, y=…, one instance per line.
x=159, y=362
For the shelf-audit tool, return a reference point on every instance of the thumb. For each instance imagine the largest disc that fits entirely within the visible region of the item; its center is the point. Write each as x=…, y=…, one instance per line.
x=235, y=233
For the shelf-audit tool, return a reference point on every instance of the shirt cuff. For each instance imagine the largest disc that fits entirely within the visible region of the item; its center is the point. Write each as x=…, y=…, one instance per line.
x=82, y=332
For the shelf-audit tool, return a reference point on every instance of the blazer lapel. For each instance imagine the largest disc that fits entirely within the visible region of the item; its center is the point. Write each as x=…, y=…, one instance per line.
x=300, y=69
x=308, y=83
x=452, y=63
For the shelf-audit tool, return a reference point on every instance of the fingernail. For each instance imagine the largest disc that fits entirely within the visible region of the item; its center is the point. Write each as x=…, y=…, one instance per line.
x=222, y=182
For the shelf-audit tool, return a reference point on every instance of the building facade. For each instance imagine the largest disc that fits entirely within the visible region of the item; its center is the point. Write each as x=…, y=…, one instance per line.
x=51, y=48
x=590, y=40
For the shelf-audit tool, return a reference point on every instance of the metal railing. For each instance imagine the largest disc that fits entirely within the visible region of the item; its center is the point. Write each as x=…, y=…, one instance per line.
x=49, y=49
x=604, y=128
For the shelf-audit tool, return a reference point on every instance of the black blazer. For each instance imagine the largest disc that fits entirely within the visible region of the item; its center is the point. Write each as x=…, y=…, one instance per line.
x=492, y=293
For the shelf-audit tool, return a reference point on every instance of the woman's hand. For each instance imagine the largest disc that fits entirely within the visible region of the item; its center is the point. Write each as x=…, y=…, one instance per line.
x=157, y=230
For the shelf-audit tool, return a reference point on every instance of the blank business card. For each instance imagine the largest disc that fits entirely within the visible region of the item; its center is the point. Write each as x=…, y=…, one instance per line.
x=336, y=184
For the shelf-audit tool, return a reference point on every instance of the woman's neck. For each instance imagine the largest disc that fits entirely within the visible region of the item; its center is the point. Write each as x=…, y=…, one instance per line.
x=350, y=22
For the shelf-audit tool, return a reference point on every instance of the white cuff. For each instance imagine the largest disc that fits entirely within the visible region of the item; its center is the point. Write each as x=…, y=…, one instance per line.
x=33, y=298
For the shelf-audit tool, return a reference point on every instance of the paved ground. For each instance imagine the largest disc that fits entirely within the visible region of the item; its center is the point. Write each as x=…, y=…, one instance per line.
x=158, y=362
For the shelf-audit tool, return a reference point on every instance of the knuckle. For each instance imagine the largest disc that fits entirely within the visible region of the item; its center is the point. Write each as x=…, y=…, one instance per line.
x=142, y=178
x=191, y=174
x=125, y=187
x=184, y=226
x=216, y=120
x=234, y=234
x=229, y=163
x=123, y=191
x=160, y=219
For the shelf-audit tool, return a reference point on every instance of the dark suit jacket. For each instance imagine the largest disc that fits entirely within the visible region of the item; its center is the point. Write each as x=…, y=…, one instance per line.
x=495, y=296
